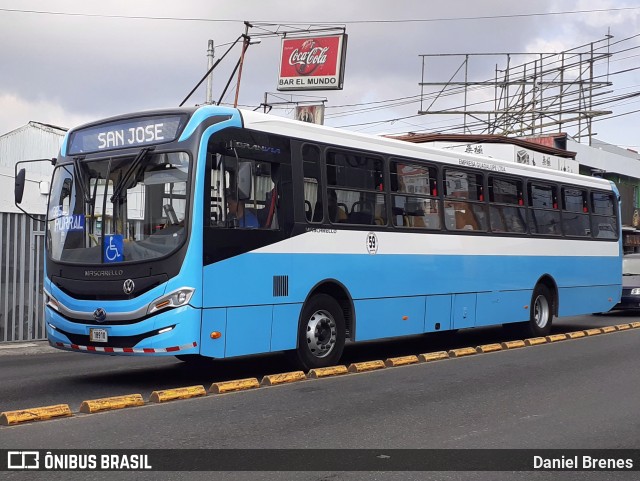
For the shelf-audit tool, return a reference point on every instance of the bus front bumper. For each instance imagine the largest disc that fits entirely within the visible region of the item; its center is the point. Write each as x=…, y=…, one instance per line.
x=176, y=331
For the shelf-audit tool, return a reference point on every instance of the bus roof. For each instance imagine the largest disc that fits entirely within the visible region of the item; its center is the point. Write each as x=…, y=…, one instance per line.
x=320, y=133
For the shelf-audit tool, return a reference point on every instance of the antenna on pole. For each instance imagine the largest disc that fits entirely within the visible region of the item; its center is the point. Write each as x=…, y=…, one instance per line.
x=210, y=57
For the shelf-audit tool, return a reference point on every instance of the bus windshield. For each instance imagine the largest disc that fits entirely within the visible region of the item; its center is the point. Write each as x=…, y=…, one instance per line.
x=122, y=209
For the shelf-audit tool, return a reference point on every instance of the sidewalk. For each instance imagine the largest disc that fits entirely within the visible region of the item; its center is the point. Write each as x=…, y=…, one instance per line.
x=26, y=347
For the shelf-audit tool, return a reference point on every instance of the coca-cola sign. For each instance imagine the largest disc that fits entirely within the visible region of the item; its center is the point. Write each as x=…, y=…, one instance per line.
x=312, y=63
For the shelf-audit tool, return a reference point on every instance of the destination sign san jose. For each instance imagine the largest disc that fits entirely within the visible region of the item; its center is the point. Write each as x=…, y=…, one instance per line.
x=131, y=136
x=128, y=133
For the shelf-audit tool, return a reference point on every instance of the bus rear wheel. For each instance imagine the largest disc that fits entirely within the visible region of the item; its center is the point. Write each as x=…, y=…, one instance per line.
x=540, y=315
x=321, y=333
x=541, y=311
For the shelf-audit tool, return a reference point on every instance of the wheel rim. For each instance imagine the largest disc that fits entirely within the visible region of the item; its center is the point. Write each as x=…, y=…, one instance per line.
x=541, y=311
x=322, y=334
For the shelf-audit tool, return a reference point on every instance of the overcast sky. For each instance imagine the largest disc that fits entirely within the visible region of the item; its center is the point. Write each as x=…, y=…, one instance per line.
x=65, y=69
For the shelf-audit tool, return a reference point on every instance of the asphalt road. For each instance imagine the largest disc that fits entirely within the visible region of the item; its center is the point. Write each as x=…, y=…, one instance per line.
x=45, y=376
x=580, y=394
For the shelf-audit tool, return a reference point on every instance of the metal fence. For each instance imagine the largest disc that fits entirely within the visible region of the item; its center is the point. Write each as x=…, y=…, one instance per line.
x=21, y=278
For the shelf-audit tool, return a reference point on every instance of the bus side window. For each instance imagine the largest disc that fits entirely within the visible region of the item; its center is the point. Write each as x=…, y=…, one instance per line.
x=414, y=189
x=604, y=223
x=575, y=212
x=464, y=207
x=357, y=181
x=544, y=216
x=506, y=208
x=312, y=191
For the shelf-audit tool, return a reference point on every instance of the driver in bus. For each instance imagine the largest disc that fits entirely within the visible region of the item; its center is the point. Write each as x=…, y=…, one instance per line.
x=236, y=208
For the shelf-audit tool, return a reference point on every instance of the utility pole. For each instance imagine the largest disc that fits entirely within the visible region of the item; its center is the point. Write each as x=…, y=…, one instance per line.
x=245, y=45
x=210, y=56
x=246, y=41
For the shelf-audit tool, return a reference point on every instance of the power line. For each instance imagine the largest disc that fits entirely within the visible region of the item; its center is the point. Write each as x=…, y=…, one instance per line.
x=342, y=22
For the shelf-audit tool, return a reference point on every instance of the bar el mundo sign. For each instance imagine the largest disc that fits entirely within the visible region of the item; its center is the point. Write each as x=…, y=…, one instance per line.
x=312, y=63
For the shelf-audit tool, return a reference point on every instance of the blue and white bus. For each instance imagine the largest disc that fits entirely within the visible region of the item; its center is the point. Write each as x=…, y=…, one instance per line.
x=215, y=232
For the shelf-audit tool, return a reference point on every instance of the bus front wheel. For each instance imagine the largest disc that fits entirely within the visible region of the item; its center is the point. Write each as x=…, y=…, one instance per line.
x=321, y=333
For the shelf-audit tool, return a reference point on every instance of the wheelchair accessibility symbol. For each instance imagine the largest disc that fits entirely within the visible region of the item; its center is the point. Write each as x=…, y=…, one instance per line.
x=113, y=248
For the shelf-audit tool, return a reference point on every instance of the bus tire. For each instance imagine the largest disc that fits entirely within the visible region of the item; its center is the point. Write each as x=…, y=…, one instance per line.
x=541, y=314
x=321, y=333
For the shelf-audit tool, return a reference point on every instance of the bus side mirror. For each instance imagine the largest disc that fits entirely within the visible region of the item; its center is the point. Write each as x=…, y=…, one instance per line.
x=19, y=186
x=244, y=180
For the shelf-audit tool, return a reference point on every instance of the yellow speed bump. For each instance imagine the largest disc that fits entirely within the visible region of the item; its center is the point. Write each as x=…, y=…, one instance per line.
x=513, y=344
x=556, y=337
x=534, y=341
x=327, y=371
x=608, y=329
x=177, y=393
x=366, y=366
x=593, y=332
x=434, y=356
x=576, y=334
x=110, y=403
x=401, y=361
x=489, y=348
x=8, y=418
x=635, y=325
x=282, y=378
x=623, y=327
x=236, y=385
x=463, y=351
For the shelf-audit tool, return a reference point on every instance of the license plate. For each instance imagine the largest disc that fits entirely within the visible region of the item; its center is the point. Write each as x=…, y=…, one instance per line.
x=98, y=335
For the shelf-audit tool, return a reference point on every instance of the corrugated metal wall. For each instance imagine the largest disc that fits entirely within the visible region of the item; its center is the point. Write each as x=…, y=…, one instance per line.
x=21, y=278
x=21, y=238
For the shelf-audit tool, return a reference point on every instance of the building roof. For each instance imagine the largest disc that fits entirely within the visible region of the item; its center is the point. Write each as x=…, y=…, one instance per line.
x=484, y=139
x=54, y=129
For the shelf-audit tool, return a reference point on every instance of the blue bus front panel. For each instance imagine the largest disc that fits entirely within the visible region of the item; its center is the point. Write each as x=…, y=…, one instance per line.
x=284, y=330
x=249, y=330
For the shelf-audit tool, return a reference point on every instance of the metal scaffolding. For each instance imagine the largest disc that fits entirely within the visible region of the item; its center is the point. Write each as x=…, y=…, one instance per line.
x=543, y=93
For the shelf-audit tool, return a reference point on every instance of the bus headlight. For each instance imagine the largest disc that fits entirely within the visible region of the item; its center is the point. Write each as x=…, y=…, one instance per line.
x=51, y=302
x=180, y=297
x=635, y=292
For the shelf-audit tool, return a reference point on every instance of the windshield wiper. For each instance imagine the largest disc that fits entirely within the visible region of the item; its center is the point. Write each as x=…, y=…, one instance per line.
x=135, y=163
x=80, y=179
